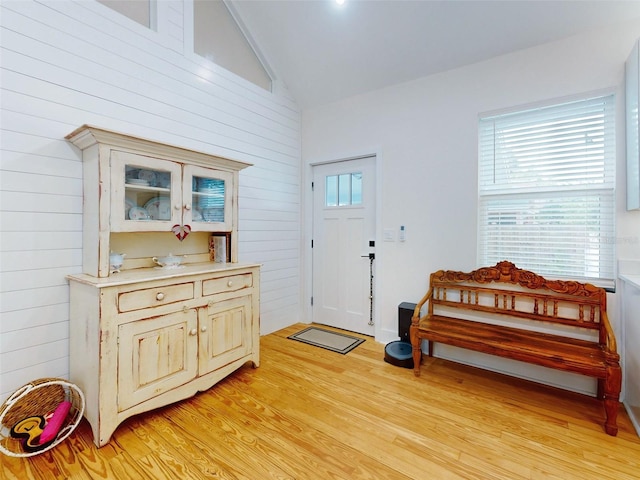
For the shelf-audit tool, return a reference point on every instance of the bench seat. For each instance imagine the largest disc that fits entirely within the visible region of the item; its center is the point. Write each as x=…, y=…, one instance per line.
x=544, y=349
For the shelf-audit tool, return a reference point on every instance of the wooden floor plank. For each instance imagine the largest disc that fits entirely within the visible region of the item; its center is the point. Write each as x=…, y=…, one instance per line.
x=317, y=449
x=288, y=441
x=309, y=413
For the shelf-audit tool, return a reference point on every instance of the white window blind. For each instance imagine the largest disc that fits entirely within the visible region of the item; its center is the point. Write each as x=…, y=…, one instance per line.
x=546, y=187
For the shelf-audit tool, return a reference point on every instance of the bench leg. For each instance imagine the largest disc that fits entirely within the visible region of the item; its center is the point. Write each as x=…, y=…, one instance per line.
x=611, y=410
x=415, y=345
x=612, y=386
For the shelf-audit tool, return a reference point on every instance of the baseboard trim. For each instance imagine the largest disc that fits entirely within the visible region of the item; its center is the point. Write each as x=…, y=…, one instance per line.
x=631, y=411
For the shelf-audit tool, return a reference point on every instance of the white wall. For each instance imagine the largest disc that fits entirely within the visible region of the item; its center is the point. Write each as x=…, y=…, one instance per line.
x=67, y=63
x=426, y=133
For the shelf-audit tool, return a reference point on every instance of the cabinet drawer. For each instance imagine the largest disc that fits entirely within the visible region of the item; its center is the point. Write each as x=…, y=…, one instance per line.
x=227, y=284
x=152, y=297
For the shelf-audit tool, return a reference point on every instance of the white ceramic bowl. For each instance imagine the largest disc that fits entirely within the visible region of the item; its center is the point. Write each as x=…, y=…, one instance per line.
x=116, y=260
x=170, y=261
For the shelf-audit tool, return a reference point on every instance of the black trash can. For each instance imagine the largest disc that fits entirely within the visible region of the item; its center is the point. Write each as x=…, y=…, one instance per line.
x=399, y=353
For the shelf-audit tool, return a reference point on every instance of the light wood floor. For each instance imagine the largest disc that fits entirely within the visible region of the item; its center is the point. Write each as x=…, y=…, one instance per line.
x=308, y=413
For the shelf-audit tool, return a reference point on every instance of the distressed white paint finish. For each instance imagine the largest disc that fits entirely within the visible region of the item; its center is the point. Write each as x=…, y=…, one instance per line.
x=145, y=339
x=67, y=63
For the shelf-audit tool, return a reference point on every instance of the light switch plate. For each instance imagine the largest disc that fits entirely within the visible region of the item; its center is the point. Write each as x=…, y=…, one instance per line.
x=389, y=235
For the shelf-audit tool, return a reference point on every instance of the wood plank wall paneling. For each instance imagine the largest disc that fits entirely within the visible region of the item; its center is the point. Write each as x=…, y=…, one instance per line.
x=67, y=63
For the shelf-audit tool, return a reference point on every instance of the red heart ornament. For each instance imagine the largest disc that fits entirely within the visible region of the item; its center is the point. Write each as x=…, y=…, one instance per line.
x=181, y=231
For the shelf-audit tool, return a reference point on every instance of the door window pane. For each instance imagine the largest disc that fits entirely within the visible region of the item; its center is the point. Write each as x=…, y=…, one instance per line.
x=342, y=190
x=331, y=195
x=356, y=188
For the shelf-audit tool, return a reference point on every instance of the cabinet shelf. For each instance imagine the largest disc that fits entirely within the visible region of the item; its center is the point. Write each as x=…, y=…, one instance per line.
x=146, y=188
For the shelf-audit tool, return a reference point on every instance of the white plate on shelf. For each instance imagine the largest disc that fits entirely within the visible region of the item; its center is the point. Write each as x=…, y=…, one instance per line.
x=211, y=192
x=138, y=213
x=210, y=184
x=196, y=216
x=213, y=214
x=128, y=205
x=163, y=179
x=138, y=181
x=148, y=176
x=159, y=208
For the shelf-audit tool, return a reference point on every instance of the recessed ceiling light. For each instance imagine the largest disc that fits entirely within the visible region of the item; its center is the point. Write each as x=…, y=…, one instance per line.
x=340, y=2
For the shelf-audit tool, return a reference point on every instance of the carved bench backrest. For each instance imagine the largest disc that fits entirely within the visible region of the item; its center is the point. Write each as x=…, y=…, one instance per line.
x=508, y=290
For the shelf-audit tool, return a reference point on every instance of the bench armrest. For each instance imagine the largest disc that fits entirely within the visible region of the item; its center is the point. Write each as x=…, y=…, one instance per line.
x=416, y=311
x=606, y=334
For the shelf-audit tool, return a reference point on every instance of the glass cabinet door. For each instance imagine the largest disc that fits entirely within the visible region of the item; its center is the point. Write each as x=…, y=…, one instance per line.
x=145, y=193
x=207, y=199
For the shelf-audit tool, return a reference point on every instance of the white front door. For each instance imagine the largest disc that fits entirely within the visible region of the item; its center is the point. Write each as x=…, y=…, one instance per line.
x=344, y=212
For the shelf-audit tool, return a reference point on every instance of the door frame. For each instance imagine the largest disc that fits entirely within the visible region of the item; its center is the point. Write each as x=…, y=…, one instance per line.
x=307, y=233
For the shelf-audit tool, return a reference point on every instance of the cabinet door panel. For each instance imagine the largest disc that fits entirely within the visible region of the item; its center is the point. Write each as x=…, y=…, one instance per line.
x=155, y=356
x=208, y=195
x=146, y=193
x=225, y=333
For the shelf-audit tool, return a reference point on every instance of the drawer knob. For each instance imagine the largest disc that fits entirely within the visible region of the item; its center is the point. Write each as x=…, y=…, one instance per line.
x=230, y=283
x=203, y=328
x=159, y=296
x=193, y=332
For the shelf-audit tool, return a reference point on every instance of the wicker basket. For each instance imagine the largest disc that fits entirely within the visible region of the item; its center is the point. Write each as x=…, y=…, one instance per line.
x=39, y=398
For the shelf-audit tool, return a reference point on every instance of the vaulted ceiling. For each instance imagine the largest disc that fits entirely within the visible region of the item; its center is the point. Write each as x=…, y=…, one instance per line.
x=325, y=52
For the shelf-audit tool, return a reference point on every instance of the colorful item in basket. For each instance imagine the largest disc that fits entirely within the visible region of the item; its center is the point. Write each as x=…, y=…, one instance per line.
x=54, y=425
x=29, y=430
x=38, y=432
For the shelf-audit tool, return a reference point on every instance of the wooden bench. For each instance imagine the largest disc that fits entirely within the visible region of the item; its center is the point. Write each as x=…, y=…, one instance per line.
x=477, y=311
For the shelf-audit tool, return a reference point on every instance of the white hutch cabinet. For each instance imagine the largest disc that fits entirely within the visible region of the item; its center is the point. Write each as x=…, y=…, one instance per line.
x=147, y=336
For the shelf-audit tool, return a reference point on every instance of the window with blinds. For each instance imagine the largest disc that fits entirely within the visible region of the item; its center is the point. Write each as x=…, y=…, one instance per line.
x=547, y=189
